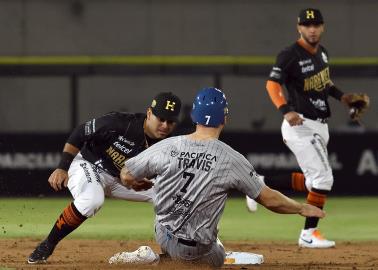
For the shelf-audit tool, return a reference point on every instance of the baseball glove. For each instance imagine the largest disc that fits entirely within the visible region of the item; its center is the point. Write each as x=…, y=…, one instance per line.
x=358, y=104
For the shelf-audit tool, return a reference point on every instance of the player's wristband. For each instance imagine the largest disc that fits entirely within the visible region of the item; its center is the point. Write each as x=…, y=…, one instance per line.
x=284, y=109
x=65, y=161
x=335, y=92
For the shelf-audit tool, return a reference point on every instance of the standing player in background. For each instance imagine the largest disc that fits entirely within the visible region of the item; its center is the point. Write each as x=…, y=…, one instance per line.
x=92, y=159
x=303, y=69
x=194, y=174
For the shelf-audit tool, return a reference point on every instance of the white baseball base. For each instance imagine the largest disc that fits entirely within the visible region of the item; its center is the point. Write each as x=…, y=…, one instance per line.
x=243, y=258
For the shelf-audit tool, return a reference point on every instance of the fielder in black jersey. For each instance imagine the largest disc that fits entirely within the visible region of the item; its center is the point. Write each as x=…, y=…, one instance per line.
x=93, y=157
x=307, y=79
x=304, y=70
x=108, y=141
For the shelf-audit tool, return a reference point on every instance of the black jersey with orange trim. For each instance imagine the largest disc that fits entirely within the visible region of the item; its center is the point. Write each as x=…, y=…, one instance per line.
x=306, y=77
x=109, y=140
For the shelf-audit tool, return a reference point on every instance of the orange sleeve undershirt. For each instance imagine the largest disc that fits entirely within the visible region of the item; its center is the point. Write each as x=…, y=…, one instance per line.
x=275, y=92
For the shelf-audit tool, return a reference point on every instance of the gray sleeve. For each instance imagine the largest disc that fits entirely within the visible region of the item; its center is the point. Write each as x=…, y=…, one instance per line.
x=245, y=178
x=145, y=164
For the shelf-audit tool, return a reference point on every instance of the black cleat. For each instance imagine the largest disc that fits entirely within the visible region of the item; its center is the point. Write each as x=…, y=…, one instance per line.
x=41, y=252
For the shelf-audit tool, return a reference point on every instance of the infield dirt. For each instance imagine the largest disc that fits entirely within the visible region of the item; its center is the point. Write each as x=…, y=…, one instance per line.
x=94, y=254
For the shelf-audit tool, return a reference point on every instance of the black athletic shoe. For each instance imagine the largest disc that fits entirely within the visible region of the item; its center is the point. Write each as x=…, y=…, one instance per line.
x=41, y=253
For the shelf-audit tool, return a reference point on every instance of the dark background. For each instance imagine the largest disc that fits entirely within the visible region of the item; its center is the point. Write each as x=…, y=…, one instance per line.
x=26, y=160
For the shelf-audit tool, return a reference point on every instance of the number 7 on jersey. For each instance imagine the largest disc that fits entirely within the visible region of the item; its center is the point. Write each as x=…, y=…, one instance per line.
x=189, y=176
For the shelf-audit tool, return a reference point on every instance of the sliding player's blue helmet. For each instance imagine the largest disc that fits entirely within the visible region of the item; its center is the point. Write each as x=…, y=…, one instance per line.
x=209, y=107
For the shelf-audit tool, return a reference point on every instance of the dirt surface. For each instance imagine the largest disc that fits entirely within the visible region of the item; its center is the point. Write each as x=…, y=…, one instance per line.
x=94, y=254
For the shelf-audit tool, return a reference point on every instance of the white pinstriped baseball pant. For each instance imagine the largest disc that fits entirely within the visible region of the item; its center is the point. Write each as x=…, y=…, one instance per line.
x=212, y=254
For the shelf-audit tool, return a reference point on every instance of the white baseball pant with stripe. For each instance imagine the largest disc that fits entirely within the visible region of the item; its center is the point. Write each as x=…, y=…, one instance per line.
x=89, y=185
x=309, y=142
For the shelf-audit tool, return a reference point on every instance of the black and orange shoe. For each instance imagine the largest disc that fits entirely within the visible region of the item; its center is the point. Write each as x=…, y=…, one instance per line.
x=41, y=253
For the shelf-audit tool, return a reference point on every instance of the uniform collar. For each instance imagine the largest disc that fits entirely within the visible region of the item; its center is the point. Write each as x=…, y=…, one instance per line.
x=307, y=47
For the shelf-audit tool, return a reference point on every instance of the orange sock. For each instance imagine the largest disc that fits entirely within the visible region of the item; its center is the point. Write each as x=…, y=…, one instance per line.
x=69, y=217
x=67, y=222
x=316, y=199
x=298, y=181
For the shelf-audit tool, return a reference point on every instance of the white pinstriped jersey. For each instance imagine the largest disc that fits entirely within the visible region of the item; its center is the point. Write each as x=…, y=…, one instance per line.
x=192, y=183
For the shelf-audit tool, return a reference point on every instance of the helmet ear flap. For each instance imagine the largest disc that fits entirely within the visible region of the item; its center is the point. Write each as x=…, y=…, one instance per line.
x=209, y=107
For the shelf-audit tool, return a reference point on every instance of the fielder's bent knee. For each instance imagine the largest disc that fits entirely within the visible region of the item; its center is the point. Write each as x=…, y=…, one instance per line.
x=89, y=206
x=323, y=184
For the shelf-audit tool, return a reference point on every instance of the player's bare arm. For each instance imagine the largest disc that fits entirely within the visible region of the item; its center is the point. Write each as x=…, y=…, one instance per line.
x=279, y=203
x=275, y=92
x=129, y=181
x=60, y=175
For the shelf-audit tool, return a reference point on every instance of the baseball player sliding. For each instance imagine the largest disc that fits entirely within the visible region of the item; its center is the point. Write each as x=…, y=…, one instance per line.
x=303, y=68
x=93, y=157
x=194, y=174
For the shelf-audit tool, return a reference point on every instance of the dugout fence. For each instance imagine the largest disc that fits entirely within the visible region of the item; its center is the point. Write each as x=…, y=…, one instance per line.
x=26, y=159
x=77, y=67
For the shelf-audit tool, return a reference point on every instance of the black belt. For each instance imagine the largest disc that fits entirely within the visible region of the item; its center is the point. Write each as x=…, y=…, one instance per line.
x=320, y=120
x=187, y=242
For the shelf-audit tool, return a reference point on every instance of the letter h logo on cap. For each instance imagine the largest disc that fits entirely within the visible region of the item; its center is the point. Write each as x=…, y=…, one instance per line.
x=310, y=14
x=170, y=105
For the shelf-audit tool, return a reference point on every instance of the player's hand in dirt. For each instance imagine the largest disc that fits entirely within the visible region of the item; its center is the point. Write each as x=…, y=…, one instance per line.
x=294, y=119
x=58, y=179
x=308, y=210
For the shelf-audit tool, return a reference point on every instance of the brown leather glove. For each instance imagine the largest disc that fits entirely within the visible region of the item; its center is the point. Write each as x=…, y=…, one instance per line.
x=358, y=104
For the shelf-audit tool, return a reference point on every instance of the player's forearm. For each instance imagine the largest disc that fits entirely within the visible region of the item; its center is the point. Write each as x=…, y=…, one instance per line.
x=69, y=148
x=279, y=203
x=336, y=93
x=68, y=154
x=284, y=205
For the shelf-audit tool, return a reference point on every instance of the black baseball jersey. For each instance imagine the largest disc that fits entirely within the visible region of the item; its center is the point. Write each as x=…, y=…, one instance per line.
x=307, y=80
x=108, y=141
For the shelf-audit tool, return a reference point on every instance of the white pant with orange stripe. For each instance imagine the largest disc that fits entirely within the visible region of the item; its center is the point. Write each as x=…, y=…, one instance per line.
x=89, y=185
x=309, y=142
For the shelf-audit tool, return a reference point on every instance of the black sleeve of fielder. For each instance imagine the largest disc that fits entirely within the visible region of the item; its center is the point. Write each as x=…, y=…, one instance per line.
x=77, y=137
x=335, y=92
x=285, y=108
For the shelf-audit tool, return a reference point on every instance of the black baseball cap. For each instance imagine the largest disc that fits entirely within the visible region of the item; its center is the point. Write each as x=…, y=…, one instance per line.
x=310, y=16
x=166, y=106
